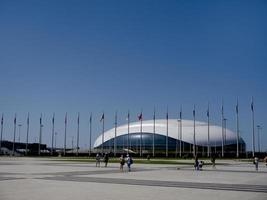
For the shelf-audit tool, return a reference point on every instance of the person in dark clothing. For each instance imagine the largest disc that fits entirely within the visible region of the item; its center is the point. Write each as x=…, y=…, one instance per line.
x=213, y=158
x=106, y=158
x=196, y=164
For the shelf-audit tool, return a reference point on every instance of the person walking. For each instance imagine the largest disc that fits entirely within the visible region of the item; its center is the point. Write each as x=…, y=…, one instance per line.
x=256, y=163
x=196, y=164
x=122, y=162
x=97, y=160
x=213, y=158
x=129, y=162
x=106, y=158
x=265, y=160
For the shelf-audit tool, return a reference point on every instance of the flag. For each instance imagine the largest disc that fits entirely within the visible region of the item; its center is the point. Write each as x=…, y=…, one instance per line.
x=15, y=119
x=252, y=106
x=41, y=120
x=102, y=117
x=194, y=112
x=78, y=120
x=66, y=118
x=28, y=119
x=154, y=115
x=208, y=113
x=140, y=117
x=53, y=119
x=2, y=120
x=180, y=114
x=222, y=109
x=128, y=116
x=236, y=108
x=167, y=115
x=90, y=118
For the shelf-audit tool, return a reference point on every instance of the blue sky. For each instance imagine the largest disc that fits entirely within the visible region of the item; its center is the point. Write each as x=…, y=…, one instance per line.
x=95, y=56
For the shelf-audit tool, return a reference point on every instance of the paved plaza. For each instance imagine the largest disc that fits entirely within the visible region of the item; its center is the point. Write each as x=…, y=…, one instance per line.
x=35, y=178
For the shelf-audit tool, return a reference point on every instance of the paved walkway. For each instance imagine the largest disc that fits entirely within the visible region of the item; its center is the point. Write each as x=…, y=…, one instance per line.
x=32, y=178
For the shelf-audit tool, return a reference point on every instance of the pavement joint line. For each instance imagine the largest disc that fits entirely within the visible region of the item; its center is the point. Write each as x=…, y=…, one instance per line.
x=211, y=186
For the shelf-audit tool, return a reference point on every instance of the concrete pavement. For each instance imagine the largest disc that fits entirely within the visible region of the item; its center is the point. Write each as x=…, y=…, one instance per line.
x=34, y=178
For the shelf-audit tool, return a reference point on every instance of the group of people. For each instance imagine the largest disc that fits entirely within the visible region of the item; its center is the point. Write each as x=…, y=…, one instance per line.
x=128, y=160
x=98, y=159
x=198, y=164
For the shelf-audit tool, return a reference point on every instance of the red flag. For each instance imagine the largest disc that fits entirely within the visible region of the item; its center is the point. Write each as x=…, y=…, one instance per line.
x=66, y=118
x=102, y=117
x=140, y=117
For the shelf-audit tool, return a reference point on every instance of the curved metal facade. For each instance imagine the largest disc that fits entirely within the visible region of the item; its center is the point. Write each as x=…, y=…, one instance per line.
x=201, y=130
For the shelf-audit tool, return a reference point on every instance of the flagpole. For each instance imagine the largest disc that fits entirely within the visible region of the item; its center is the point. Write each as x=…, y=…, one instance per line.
x=53, y=128
x=128, y=132
x=27, y=136
x=115, y=132
x=222, y=131
x=40, y=136
x=65, y=133
x=78, y=134
x=253, y=129
x=237, y=129
x=167, y=132
x=90, y=136
x=14, y=138
x=194, y=115
x=181, y=132
x=208, y=115
x=141, y=132
x=154, y=131
x=103, y=129
x=2, y=123
x=178, y=137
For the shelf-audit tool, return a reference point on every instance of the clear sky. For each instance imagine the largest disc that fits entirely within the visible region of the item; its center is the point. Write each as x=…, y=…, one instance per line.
x=94, y=56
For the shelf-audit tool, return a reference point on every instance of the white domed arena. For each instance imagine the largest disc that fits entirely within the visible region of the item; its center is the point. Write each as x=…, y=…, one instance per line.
x=149, y=135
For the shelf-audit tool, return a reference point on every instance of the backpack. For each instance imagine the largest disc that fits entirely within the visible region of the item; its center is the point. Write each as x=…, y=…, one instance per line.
x=131, y=161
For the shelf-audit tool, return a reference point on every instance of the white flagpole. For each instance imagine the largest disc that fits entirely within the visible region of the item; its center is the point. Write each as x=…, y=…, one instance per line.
x=14, y=138
x=27, y=136
x=90, y=136
x=167, y=133
x=208, y=115
x=181, y=136
x=222, y=130
x=237, y=129
x=154, y=130
x=253, y=128
x=65, y=133
x=2, y=124
x=53, y=129
x=78, y=134
x=103, y=131
x=140, y=118
x=194, y=115
x=128, y=135
x=40, y=136
x=115, y=132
